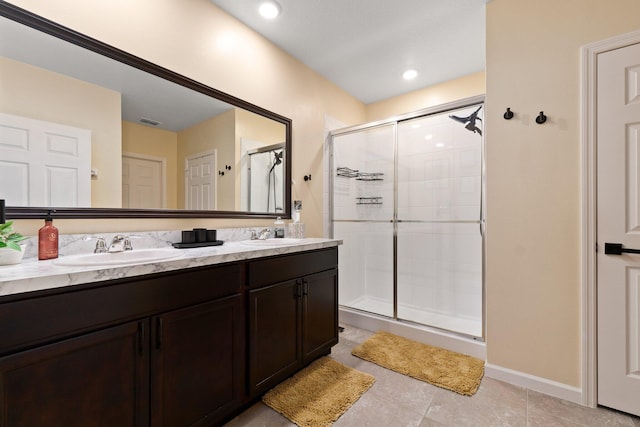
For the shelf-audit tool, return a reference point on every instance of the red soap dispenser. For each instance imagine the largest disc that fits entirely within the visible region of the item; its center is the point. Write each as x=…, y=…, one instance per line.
x=48, y=239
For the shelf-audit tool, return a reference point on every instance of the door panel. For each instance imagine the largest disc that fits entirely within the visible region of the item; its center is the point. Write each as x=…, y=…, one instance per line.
x=141, y=183
x=197, y=363
x=44, y=163
x=320, y=308
x=274, y=313
x=201, y=182
x=98, y=379
x=618, y=215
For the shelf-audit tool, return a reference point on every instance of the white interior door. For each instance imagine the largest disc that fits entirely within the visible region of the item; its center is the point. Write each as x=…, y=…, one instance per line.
x=142, y=182
x=44, y=163
x=201, y=181
x=618, y=216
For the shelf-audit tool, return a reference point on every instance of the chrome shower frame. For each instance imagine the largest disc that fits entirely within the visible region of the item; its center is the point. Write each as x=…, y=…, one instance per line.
x=438, y=109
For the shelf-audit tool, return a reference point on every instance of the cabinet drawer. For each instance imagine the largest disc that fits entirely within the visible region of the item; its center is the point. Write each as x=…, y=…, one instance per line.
x=36, y=320
x=279, y=268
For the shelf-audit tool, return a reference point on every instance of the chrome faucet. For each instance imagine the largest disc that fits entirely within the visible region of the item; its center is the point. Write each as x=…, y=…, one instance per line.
x=261, y=235
x=120, y=243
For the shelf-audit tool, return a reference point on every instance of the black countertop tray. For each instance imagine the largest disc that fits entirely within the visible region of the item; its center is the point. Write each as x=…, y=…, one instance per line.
x=181, y=245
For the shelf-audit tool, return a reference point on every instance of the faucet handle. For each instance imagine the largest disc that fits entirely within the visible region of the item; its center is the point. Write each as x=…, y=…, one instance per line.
x=126, y=245
x=101, y=243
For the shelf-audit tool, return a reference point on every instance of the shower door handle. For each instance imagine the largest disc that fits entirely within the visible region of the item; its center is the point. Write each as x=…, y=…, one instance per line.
x=617, y=249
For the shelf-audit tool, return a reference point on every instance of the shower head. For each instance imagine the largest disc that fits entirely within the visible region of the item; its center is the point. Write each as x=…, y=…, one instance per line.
x=277, y=159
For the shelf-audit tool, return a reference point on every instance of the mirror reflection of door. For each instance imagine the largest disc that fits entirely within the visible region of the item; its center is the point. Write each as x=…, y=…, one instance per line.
x=200, y=181
x=44, y=163
x=143, y=182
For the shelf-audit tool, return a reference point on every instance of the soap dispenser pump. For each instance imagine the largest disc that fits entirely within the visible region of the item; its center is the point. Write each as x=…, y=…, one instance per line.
x=48, y=239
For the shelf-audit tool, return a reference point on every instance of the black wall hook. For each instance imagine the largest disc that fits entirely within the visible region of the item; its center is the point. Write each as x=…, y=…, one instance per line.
x=508, y=115
x=541, y=118
x=307, y=177
x=227, y=167
x=221, y=173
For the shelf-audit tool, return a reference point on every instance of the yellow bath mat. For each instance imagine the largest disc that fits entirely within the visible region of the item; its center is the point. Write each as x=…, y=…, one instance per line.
x=443, y=368
x=319, y=394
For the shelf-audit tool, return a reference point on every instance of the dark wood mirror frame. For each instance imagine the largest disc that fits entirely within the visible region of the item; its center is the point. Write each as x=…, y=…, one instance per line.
x=39, y=23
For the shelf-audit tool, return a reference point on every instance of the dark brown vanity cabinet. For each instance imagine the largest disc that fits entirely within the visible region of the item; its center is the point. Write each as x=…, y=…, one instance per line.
x=293, y=314
x=94, y=379
x=197, y=363
x=161, y=350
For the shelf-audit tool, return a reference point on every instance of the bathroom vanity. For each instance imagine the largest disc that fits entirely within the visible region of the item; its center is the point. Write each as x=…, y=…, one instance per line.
x=184, y=342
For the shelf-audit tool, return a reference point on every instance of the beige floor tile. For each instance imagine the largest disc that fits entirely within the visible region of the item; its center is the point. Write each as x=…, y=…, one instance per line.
x=495, y=404
x=398, y=400
x=372, y=411
x=541, y=404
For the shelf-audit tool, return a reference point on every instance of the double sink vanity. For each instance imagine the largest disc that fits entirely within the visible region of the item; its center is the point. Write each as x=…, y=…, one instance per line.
x=155, y=336
x=166, y=336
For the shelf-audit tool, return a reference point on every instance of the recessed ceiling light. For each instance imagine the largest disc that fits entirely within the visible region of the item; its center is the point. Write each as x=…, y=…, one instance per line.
x=269, y=9
x=410, y=74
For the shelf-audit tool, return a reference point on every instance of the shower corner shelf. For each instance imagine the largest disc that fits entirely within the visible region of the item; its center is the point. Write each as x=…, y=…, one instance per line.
x=369, y=200
x=370, y=176
x=347, y=172
x=359, y=176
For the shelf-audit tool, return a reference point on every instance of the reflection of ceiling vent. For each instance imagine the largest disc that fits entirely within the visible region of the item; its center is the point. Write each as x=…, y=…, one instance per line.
x=149, y=121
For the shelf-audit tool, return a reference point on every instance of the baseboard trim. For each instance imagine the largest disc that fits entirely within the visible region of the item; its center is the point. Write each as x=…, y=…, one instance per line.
x=542, y=385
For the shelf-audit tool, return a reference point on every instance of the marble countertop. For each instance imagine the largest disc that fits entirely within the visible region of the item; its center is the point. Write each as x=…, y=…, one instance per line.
x=33, y=275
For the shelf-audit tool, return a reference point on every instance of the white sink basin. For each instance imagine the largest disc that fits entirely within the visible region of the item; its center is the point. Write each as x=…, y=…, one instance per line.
x=120, y=258
x=272, y=242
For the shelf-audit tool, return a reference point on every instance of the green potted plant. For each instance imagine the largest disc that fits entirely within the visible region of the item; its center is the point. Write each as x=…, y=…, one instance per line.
x=11, y=251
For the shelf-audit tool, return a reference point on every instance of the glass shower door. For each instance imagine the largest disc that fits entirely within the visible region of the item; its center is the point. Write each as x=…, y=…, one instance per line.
x=363, y=209
x=439, y=240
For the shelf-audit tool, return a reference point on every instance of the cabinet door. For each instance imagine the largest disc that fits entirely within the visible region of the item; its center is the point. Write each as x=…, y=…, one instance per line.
x=274, y=345
x=198, y=362
x=319, y=314
x=97, y=379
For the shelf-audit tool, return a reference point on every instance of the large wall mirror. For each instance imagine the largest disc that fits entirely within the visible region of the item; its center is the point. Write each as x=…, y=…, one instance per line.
x=95, y=132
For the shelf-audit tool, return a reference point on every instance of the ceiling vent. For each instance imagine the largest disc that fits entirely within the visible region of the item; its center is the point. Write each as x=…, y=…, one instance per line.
x=149, y=121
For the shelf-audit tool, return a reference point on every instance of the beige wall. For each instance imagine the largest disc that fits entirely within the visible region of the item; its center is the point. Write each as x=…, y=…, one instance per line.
x=43, y=95
x=464, y=87
x=533, y=178
x=217, y=133
x=208, y=45
x=160, y=143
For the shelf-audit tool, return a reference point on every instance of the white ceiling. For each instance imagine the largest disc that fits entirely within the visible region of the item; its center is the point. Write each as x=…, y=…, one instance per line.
x=143, y=95
x=364, y=46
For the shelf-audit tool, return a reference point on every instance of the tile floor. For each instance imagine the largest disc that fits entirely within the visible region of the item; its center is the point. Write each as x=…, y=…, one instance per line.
x=397, y=400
